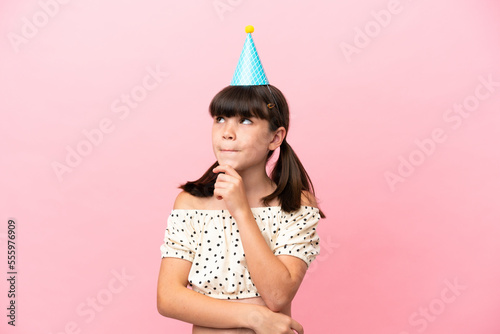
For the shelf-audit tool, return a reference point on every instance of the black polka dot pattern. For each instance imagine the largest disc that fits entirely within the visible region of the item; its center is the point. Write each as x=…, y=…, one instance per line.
x=210, y=239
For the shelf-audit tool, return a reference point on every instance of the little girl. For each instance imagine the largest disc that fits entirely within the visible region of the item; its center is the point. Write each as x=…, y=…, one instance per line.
x=240, y=239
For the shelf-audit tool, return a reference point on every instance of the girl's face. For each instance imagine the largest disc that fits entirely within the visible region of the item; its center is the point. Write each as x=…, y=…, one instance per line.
x=242, y=142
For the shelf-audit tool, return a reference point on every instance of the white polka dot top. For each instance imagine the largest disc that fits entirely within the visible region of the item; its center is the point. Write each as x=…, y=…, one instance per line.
x=210, y=239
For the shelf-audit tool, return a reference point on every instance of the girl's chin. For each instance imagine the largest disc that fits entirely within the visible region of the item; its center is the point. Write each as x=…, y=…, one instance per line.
x=232, y=164
x=228, y=163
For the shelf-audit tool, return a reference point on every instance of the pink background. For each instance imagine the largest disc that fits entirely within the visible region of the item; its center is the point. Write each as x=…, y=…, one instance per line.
x=366, y=81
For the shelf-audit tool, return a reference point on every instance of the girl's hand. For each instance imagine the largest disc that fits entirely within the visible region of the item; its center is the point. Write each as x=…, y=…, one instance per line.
x=266, y=321
x=230, y=188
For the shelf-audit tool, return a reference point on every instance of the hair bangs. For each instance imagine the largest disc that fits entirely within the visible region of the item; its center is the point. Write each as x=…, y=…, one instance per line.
x=242, y=101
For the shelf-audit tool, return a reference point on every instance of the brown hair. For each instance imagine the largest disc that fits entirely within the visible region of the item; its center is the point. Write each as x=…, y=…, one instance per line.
x=288, y=173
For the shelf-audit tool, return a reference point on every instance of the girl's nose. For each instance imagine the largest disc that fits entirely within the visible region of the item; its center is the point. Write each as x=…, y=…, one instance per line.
x=228, y=132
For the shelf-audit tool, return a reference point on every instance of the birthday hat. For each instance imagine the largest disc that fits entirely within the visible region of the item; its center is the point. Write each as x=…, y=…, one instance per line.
x=249, y=71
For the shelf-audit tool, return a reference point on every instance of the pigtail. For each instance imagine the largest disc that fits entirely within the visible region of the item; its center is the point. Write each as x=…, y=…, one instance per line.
x=291, y=179
x=204, y=186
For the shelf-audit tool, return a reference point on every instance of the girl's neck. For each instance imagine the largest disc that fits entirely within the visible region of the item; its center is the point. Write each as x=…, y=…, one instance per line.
x=257, y=184
x=255, y=194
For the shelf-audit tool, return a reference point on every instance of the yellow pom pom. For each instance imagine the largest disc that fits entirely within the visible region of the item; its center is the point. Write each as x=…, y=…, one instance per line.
x=249, y=29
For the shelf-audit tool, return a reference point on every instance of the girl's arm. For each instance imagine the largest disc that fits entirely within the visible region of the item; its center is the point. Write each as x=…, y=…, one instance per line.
x=175, y=300
x=277, y=278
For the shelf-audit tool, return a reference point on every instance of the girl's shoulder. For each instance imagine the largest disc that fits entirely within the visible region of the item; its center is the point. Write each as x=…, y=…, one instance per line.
x=308, y=199
x=186, y=201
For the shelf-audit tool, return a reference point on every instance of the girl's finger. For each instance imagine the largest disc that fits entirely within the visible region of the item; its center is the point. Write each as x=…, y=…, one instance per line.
x=223, y=178
x=218, y=194
x=225, y=169
x=218, y=169
x=220, y=185
x=297, y=327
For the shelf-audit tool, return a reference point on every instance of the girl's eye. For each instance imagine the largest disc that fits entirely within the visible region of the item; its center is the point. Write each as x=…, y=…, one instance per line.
x=246, y=121
x=219, y=119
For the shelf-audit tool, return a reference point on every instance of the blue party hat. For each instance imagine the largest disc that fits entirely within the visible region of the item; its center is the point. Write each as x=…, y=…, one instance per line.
x=249, y=71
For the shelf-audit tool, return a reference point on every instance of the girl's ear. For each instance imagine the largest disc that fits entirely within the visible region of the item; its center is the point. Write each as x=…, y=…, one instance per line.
x=279, y=136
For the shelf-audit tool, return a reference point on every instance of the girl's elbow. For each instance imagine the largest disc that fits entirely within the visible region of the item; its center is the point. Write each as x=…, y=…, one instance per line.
x=277, y=302
x=165, y=306
x=275, y=307
x=161, y=307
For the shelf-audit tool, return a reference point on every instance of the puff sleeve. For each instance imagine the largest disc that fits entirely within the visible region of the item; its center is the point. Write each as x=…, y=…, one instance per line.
x=178, y=241
x=297, y=234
